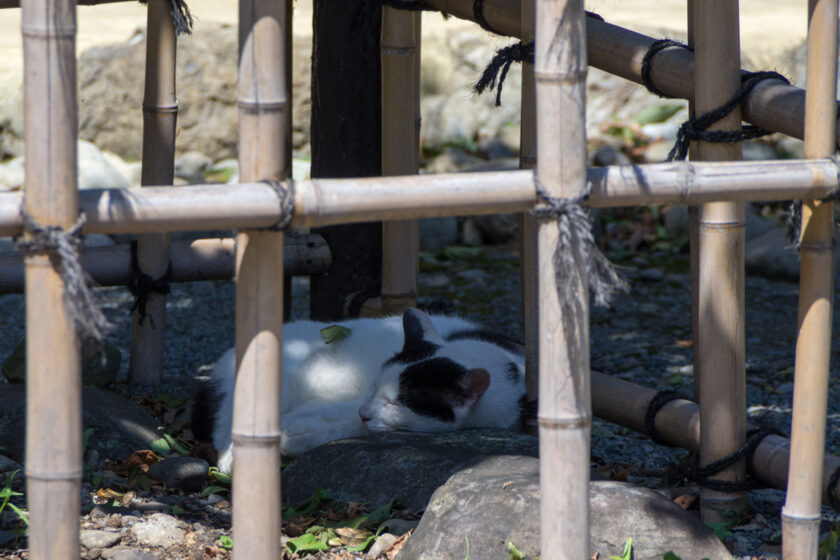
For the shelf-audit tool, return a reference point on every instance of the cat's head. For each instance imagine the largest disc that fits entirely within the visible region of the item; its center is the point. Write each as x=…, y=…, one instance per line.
x=420, y=389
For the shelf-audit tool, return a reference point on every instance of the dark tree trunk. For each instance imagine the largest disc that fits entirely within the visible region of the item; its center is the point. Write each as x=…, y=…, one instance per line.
x=346, y=142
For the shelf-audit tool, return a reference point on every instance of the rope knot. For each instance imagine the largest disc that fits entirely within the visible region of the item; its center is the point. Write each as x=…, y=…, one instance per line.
x=577, y=256
x=79, y=298
x=499, y=66
x=142, y=286
x=181, y=16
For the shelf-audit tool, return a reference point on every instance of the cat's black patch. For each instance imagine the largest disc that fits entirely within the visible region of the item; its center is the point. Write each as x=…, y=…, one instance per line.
x=203, y=421
x=432, y=388
x=512, y=373
x=527, y=414
x=414, y=353
x=487, y=336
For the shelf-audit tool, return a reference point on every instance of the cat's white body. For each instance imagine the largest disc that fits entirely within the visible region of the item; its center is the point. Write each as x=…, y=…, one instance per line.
x=348, y=387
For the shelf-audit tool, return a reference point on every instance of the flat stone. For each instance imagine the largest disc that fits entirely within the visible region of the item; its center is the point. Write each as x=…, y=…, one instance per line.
x=497, y=501
x=120, y=426
x=7, y=465
x=186, y=473
x=159, y=530
x=98, y=539
x=126, y=553
x=408, y=466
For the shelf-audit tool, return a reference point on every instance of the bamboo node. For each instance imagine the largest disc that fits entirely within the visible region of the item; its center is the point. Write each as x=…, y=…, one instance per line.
x=576, y=253
x=253, y=106
x=142, y=286
x=55, y=476
x=263, y=440
x=181, y=16
x=48, y=32
x=564, y=423
x=159, y=109
x=79, y=298
x=285, y=191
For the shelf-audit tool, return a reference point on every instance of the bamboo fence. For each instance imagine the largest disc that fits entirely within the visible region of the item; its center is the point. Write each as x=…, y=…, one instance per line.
x=720, y=227
x=254, y=207
x=801, y=513
x=264, y=153
x=160, y=113
x=400, y=47
x=564, y=416
x=678, y=424
x=321, y=202
x=527, y=224
x=53, y=365
x=202, y=259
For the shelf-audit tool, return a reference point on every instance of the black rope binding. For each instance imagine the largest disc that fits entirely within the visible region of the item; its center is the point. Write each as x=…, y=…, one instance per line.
x=181, y=16
x=793, y=217
x=501, y=61
x=576, y=251
x=695, y=128
x=647, y=63
x=654, y=406
x=702, y=475
x=478, y=12
x=142, y=286
x=831, y=490
x=79, y=297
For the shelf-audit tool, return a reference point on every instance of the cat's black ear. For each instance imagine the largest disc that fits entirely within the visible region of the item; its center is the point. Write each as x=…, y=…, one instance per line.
x=419, y=330
x=475, y=382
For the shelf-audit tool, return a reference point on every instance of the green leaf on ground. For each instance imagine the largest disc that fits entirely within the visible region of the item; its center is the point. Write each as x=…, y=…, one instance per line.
x=334, y=333
x=628, y=551
x=307, y=542
x=226, y=542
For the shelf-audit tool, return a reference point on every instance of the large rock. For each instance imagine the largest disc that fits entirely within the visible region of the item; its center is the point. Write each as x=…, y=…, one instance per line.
x=119, y=425
x=111, y=97
x=408, y=466
x=498, y=502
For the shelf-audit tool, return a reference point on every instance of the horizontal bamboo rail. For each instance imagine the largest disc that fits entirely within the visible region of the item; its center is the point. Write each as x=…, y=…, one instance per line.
x=678, y=423
x=320, y=202
x=773, y=105
x=202, y=259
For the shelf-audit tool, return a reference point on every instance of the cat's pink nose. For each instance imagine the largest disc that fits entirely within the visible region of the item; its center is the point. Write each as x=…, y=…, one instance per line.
x=363, y=416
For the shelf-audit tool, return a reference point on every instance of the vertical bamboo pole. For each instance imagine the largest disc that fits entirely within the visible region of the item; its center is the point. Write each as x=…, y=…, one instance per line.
x=53, y=365
x=564, y=405
x=527, y=224
x=160, y=111
x=719, y=354
x=693, y=234
x=264, y=153
x=400, y=151
x=801, y=513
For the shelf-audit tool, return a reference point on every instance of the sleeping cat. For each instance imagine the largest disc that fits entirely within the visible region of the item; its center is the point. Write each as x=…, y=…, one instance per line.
x=418, y=373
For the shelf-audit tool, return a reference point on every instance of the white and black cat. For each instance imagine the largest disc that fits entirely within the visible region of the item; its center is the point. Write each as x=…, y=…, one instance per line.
x=418, y=373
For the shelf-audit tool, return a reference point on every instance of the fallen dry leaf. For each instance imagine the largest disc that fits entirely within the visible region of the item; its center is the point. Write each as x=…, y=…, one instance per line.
x=685, y=501
x=506, y=484
x=392, y=551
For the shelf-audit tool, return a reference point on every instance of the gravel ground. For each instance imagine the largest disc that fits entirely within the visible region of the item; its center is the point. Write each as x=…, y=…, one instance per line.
x=640, y=338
